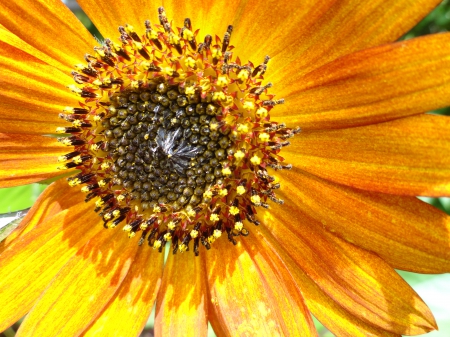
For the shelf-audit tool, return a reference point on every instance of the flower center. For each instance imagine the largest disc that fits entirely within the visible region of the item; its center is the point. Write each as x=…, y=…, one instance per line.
x=174, y=138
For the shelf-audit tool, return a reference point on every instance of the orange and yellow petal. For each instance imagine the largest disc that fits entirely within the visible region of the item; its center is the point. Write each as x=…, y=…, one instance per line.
x=372, y=86
x=92, y=276
x=211, y=18
x=328, y=30
x=361, y=282
x=27, y=159
x=129, y=309
x=30, y=262
x=242, y=301
x=182, y=303
x=290, y=306
x=33, y=93
x=325, y=309
x=8, y=38
x=48, y=26
x=57, y=197
x=404, y=231
x=406, y=156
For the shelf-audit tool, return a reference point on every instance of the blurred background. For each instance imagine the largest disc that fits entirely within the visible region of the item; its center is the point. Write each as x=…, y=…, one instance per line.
x=434, y=289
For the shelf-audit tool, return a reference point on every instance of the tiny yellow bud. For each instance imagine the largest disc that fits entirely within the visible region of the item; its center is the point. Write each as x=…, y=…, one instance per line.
x=240, y=190
x=194, y=233
x=234, y=210
x=264, y=137
x=239, y=155
x=261, y=112
x=214, y=217
x=255, y=160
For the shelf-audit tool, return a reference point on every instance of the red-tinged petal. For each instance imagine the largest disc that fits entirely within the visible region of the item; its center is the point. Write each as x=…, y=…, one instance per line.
x=181, y=306
x=322, y=31
x=57, y=197
x=325, y=309
x=27, y=158
x=48, y=26
x=288, y=301
x=404, y=231
x=242, y=302
x=6, y=37
x=29, y=263
x=372, y=86
x=405, y=156
x=92, y=276
x=362, y=283
x=130, y=307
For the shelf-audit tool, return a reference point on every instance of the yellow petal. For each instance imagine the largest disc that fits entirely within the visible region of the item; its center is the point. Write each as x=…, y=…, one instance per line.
x=128, y=311
x=372, y=86
x=404, y=231
x=29, y=263
x=181, y=307
x=26, y=159
x=406, y=156
x=92, y=277
x=48, y=26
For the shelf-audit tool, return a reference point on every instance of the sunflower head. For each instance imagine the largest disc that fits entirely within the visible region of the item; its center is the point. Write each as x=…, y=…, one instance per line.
x=173, y=136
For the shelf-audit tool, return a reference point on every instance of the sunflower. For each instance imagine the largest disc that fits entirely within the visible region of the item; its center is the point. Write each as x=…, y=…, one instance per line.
x=270, y=207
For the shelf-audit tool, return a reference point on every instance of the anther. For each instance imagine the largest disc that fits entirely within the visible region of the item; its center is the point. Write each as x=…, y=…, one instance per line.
x=226, y=38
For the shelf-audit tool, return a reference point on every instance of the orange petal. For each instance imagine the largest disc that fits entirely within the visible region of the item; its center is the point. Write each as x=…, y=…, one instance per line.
x=29, y=263
x=325, y=309
x=130, y=308
x=361, y=282
x=372, y=86
x=57, y=197
x=242, y=300
x=181, y=307
x=287, y=299
x=48, y=26
x=318, y=32
x=406, y=156
x=32, y=95
x=27, y=158
x=6, y=37
x=404, y=231
x=92, y=276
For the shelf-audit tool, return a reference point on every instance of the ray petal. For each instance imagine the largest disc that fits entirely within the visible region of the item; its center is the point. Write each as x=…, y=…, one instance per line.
x=181, y=307
x=361, y=282
x=27, y=159
x=57, y=197
x=128, y=311
x=40, y=254
x=92, y=276
x=406, y=232
x=48, y=26
x=371, y=86
x=241, y=299
x=405, y=156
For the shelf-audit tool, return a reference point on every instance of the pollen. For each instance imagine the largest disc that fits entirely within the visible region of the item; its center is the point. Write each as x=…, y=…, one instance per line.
x=172, y=136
